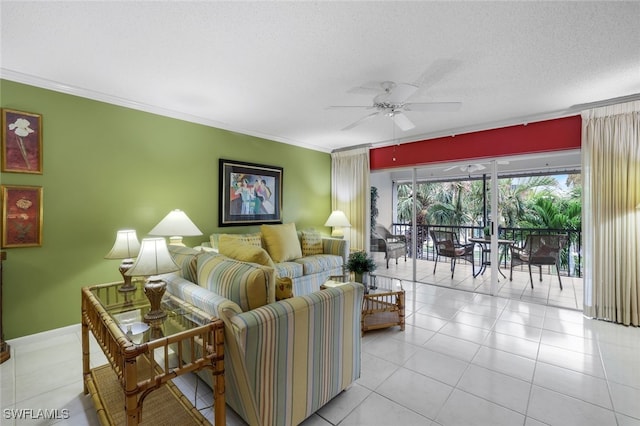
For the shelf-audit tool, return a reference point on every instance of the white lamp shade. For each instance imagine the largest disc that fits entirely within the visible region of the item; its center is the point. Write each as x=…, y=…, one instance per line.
x=154, y=259
x=126, y=246
x=176, y=223
x=338, y=219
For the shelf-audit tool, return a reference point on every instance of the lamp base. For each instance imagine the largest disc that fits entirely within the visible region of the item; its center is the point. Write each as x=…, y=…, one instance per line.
x=154, y=290
x=337, y=233
x=176, y=241
x=128, y=285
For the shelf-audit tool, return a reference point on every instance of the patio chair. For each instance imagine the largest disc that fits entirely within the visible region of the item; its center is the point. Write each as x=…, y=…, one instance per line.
x=539, y=250
x=393, y=246
x=447, y=245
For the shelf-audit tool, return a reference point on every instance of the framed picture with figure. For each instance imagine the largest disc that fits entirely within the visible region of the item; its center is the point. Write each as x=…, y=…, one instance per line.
x=21, y=142
x=250, y=193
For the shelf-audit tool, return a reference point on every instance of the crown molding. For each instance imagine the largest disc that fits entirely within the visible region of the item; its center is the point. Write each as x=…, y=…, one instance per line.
x=56, y=86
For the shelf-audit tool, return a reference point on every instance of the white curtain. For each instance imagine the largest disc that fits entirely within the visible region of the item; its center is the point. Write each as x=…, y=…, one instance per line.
x=350, y=193
x=611, y=221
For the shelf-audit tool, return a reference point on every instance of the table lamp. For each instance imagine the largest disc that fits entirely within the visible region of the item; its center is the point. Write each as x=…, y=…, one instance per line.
x=338, y=220
x=154, y=259
x=126, y=247
x=176, y=225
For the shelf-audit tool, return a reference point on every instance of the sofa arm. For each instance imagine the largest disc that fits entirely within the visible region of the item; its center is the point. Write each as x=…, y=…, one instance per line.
x=200, y=297
x=310, y=345
x=336, y=247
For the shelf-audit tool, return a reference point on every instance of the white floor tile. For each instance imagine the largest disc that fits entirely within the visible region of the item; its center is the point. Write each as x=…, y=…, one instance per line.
x=457, y=348
x=569, y=382
x=577, y=361
x=558, y=409
x=625, y=400
x=498, y=388
x=437, y=366
x=343, y=404
x=505, y=362
x=377, y=410
x=415, y=392
x=462, y=409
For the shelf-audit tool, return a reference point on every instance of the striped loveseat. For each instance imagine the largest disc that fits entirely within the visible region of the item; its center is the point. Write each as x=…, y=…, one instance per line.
x=283, y=360
x=305, y=257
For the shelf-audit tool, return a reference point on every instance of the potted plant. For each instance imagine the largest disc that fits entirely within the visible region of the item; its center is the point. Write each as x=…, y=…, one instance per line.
x=360, y=263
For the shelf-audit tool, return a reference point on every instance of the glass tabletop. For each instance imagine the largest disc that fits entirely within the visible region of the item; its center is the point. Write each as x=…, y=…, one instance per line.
x=127, y=309
x=383, y=283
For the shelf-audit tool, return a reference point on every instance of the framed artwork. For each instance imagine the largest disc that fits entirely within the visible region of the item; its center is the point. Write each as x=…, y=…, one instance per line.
x=21, y=142
x=250, y=193
x=21, y=216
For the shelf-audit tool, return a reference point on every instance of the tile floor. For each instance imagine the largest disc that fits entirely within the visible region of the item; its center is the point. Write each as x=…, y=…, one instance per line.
x=546, y=292
x=464, y=359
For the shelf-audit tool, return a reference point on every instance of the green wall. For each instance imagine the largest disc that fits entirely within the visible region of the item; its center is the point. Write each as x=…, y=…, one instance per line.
x=107, y=168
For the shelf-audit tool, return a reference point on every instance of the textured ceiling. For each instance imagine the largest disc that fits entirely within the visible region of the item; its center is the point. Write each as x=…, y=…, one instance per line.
x=271, y=69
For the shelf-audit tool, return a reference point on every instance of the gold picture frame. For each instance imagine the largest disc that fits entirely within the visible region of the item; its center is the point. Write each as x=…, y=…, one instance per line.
x=21, y=216
x=21, y=142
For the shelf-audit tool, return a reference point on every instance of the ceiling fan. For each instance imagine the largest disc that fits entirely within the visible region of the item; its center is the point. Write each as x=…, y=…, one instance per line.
x=393, y=101
x=470, y=168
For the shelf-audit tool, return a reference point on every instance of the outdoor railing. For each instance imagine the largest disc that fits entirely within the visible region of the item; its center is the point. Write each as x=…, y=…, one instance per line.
x=570, y=255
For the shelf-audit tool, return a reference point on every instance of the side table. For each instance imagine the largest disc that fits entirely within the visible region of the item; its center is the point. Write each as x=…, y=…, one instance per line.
x=383, y=305
x=143, y=371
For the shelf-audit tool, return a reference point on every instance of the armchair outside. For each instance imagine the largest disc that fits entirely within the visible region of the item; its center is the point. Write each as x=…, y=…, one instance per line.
x=447, y=245
x=393, y=246
x=539, y=250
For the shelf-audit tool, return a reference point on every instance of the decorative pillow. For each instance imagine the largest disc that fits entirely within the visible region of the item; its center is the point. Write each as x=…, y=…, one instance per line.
x=213, y=239
x=236, y=248
x=281, y=242
x=183, y=257
x=248, y=285
x=311, y=243
x=284, y=288
x=250, y=239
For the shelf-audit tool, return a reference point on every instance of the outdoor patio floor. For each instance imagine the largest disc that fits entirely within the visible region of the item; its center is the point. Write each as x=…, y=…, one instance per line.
x=545, y=292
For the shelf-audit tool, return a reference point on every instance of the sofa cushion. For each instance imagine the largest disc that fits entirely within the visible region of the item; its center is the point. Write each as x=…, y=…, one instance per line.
x=247, y=284
x=311, y=242
x=289, y=269
x=184, y=256
x=281, y=241
x=319, y=263
x=241, y=250
x=254, y=239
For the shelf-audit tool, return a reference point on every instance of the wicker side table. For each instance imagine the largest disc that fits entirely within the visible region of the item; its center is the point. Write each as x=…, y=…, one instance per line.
x=139, y=372
x=382, y=308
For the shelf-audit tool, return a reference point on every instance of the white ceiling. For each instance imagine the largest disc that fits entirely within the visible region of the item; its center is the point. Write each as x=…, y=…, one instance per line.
x=271, y=69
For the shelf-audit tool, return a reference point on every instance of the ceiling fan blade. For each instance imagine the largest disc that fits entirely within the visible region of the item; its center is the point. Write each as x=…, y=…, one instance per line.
x=433, y=106
x=349, y=106
x=360, y=121
x=474, y=167
x=400, y=93
x=402, y=121
x=369, y=88
x=437, y=71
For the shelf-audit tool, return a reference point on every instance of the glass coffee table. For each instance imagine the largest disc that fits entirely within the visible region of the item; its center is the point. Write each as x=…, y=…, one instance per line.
x=383, y=304
x=144, y=357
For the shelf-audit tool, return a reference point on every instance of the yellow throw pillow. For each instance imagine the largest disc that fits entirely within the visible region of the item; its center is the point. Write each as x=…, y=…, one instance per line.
x=311, y=243
x=239, y=250
x=250, y=239
x=281, y=242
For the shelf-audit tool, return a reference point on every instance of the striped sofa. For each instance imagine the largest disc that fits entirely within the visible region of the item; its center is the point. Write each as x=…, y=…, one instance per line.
x=306, y=272
x=283, y=360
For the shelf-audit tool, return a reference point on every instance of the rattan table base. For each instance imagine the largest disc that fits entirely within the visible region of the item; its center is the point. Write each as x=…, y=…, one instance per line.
x=164, y=406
